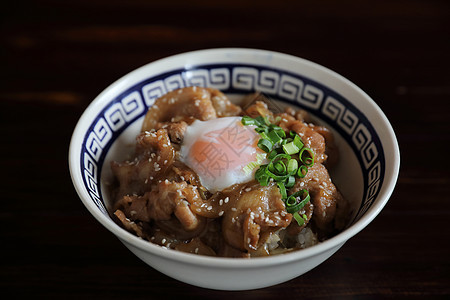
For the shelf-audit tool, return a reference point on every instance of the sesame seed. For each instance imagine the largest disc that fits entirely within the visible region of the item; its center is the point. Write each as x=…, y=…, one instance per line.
x=209, y=207
x=221, y=213
x=220, y=202
x=196, y=250
x=226, y=200
x=163, y=241
x=248, y=189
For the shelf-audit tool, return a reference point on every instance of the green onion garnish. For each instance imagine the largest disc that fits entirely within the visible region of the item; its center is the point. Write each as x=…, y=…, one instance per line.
x=299, y=219
x=288, y=159
x=290, y=148
x=306, y=156
x=290, y=181
x=298, y=142
x=280, y=167
x=301, y=173
x=282, y=188
x=297, y=201
x=246, y=120
x=274, y=137
x=292, y=166
x=262, y=176
x=265, y=145
x=272, y=154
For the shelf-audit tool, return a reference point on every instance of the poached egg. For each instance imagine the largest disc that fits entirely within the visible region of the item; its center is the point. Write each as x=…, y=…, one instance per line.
x=222, y=152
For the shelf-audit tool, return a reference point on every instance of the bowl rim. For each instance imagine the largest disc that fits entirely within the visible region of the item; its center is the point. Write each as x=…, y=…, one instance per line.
x=131, y=78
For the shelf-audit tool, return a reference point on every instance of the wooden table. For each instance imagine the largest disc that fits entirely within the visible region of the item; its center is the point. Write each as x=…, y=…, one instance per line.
x=56, y=56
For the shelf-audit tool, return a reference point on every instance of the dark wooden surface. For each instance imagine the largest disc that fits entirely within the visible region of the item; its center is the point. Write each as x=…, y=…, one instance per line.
x=56, y=56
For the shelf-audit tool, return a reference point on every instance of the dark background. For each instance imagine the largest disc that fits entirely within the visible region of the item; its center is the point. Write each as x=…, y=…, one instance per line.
x=56, y=56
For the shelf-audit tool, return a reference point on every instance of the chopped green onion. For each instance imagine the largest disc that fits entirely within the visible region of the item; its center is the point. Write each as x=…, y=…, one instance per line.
x=250, y=167
x=261, y=176
x=280, y=167
x=262, y=120
x=288, y=159
x=274, y=127
x=290, y=181
x=306, y=156
x=295, y=202
x=265, y=145
x=260, y=129
x=246, y=120
x=280, y=132
x=264, y=135
x=274, y=137
x=299, y=219
x=298, y=142
x=272, y=154
x=282, y=190
x=292, y=166
x=291, y=201
x=290, y=148
x=276, y=177
x=302, y=170
x=286, y=141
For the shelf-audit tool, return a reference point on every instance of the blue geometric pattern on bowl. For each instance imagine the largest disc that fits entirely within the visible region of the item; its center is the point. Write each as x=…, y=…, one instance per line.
x=305, y=93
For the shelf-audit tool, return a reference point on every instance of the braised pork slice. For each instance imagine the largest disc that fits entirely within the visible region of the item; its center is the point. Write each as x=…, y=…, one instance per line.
x=154, y=156
x=312, y=139
x=186, y=104
x=325, y=198
x=223, y=106
x=164, y=199
x=256, y=212
x=176, y=130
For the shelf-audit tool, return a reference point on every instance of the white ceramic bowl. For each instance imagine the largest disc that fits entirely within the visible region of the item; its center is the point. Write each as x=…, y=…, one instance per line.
x=366, y=174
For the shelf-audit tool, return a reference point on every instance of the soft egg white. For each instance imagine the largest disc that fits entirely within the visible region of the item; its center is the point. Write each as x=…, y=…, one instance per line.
x=220, y=151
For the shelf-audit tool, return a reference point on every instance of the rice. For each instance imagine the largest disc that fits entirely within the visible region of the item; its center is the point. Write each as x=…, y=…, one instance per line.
x=281, y=242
